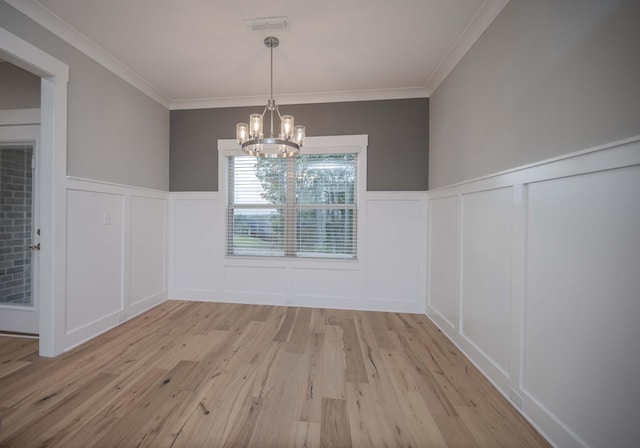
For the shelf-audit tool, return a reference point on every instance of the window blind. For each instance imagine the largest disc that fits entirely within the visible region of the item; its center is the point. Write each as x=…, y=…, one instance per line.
x=298, y=207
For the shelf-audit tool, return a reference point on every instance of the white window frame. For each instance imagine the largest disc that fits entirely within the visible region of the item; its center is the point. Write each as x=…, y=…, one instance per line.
x=342, y=144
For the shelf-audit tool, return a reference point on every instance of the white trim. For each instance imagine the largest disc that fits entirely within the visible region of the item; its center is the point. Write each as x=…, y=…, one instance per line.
x=476, y=26
x=19, y=117
x=396, y=195
x=518, y=267
x=109, y=186
x=21, y=53
x=27, y=133
x=110, y=322
x=20, y=336
x=596, y=156
x=188, y=195
x=8, y=306
x=51, y=167
x=48, y=20
x=313, y=145
x=302, y=98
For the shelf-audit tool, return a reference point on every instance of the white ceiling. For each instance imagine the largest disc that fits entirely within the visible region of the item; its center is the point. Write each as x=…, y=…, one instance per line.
x=195, y=53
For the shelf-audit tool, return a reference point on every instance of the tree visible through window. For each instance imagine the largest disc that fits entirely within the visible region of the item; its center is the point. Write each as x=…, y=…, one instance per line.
x=300, y=207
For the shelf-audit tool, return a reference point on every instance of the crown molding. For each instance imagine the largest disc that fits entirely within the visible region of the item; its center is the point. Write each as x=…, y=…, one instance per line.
x=48, y=20
x=302, y=98
x=474, y=29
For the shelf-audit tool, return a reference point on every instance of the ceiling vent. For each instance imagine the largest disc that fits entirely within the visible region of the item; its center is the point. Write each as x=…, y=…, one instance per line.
x=267, y=23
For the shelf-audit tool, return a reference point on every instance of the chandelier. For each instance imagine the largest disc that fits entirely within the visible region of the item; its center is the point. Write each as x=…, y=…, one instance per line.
x=251, y=136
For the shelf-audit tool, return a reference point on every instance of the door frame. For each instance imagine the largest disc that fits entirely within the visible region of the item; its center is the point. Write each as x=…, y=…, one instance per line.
x=51, y=172
x=28, y=134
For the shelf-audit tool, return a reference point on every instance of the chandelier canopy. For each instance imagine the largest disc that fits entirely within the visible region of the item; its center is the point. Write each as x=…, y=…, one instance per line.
x=251, y=136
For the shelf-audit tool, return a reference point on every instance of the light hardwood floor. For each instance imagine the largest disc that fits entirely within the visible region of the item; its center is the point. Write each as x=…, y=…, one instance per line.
x=195, y=375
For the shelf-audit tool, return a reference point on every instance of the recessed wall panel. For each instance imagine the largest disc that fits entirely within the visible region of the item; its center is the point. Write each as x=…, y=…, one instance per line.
x=582, y=303
x=443, y=259
x=148, y=251
x=318, y=284
x=259, y=280
x=393, y=250
x=94, y=257
x=486, y=273
x=196, y=244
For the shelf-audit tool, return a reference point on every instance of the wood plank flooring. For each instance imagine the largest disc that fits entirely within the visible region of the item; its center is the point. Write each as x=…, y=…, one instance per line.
x=189, y=374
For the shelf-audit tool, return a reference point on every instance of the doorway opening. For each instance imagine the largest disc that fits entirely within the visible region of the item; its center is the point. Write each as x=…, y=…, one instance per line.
x=51, y=148
x=18, y=231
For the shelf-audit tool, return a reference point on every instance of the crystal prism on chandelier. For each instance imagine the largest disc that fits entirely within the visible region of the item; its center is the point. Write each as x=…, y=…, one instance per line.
x=251, y=136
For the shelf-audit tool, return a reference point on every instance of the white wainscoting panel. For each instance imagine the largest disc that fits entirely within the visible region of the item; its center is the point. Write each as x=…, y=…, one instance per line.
x=256, y=282
x=95, y=253
x=116, y=255
x=486, y=274
x=389, y=274
x=148, y=237
x=396, y=255
x=196, y=246
x=313, y=285
x=443, y=258
x=583, y=303
x=547, y=282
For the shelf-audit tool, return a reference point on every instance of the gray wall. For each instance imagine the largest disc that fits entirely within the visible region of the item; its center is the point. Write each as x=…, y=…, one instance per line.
x=547, y=78
x=115, y=132
x=397, y=155
x=19, y=89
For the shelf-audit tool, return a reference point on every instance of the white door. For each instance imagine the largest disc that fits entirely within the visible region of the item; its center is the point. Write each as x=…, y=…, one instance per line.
x=18, y=231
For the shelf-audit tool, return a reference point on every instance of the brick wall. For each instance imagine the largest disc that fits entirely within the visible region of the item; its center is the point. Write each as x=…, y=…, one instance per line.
x=15, y=224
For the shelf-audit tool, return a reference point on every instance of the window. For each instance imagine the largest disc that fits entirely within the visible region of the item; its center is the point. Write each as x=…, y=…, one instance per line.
x=300, y=207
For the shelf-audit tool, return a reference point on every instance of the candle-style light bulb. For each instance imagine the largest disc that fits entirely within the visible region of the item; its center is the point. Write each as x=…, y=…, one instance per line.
x=242, y=132
x=255, y=122
x=286, y=124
